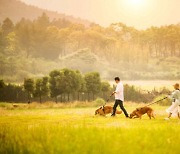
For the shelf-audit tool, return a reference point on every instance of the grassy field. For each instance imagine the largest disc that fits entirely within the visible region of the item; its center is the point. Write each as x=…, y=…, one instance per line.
x=76, y=130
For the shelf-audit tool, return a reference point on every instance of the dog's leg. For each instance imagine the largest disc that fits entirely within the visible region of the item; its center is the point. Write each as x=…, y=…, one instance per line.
x=149, y=116
x=138, y=115
x=152, y=114
x=135, y=117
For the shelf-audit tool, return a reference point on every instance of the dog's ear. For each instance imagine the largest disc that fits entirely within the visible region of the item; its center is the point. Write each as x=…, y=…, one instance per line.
x=100, y=107
x=137, y=109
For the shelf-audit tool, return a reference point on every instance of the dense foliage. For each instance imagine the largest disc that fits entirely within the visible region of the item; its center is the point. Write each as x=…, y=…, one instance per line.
x=35, y=47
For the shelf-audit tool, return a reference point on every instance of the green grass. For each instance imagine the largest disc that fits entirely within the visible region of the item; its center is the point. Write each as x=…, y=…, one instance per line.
x=78, y=131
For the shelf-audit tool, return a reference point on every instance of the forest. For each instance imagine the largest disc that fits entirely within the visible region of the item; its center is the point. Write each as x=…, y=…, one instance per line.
x=30, y=48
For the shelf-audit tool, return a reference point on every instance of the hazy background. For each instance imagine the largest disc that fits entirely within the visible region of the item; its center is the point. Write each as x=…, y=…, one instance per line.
x=133, y=39
x=137, y=13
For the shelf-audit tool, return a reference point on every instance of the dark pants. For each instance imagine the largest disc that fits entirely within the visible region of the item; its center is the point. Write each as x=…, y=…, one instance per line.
x=120, y=103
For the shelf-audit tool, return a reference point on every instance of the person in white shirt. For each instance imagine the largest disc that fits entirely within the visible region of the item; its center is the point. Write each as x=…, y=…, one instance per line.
x=174, y=109
x=119, y=97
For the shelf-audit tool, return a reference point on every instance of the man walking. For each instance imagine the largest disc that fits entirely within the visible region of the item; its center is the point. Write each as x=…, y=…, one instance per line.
x=119, y=97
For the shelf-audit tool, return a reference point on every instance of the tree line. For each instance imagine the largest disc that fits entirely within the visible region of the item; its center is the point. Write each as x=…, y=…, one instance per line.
x=67, y=85
x=61, y=85
x=47, y=40
x=51, y=39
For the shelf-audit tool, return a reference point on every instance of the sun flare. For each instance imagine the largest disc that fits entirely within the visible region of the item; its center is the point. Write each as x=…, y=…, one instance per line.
x=134, y=3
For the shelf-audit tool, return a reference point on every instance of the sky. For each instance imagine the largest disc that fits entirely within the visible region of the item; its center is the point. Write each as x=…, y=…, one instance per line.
x=137, y=13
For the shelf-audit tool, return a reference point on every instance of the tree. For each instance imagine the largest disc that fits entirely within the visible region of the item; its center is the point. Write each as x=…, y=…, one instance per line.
x=7, y=26
x=93, y=83
x=105, y=88
x=83, y=88
x=24, y=32
x=2, y=84
x=29, y=87
x=69, y=81
x=54, y=90
x=12, y=47
x=12, y=93
x=43, y=21
x=41, y=88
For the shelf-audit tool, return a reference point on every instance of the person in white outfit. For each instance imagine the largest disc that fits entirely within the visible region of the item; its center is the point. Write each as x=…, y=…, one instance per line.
x=174, y=109
x=119, y=97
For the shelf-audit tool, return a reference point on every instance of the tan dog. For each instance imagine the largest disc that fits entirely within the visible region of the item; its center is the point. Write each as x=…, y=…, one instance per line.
x=141, y=111
x=103, y=111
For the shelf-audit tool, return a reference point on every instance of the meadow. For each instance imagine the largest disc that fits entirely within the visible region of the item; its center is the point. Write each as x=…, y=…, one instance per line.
x=74, y=129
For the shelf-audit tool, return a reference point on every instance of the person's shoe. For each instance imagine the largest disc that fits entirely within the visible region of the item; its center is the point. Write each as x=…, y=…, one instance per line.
x=112, y=115
x=166, y=118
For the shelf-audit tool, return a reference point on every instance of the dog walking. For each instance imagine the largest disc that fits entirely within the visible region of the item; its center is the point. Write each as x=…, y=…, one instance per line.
x=119, y=97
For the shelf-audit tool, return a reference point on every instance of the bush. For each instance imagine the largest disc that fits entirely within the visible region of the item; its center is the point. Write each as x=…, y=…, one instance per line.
x=99, y=102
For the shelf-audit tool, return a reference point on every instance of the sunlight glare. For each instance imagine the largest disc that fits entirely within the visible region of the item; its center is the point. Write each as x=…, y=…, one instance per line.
x=135, y=3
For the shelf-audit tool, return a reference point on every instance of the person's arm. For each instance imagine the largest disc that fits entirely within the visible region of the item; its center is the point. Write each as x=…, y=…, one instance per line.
x=116, y=91
x=113, y=93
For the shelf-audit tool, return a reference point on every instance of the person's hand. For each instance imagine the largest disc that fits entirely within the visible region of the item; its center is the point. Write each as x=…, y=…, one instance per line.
x=112, y=94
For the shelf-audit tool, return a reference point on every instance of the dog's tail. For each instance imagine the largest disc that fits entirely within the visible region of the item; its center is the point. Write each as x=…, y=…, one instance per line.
x=118, y=112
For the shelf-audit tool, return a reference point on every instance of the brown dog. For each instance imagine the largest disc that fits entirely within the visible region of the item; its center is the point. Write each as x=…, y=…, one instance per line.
x=141, y=111
x=103, y=111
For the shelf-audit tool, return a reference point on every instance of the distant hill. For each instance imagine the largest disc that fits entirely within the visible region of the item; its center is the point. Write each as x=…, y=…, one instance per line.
x=15, y=10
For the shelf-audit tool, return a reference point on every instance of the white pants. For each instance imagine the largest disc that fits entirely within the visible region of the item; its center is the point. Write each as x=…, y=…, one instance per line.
x=174, y=108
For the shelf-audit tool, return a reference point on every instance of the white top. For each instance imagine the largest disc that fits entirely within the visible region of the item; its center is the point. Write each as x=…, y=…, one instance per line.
x=175, y=95
x=119, y=95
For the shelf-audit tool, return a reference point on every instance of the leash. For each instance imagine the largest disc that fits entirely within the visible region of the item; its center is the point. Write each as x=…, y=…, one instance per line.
x=157, y=101
x=107, y=100
x=105, y=104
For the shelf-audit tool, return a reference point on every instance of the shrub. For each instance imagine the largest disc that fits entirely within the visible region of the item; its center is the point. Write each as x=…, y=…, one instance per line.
x=99, y=101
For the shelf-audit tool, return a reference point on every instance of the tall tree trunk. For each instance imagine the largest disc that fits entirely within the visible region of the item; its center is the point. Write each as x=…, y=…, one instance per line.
x=68, y=97
x=64, y=97
x=29, y=101
x=40, y=98
x=56, y=99
x=78, y=96
x=61, y=97
x=88, y=97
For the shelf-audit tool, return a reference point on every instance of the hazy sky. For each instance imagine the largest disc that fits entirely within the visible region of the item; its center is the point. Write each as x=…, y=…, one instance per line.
x=138, y=13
